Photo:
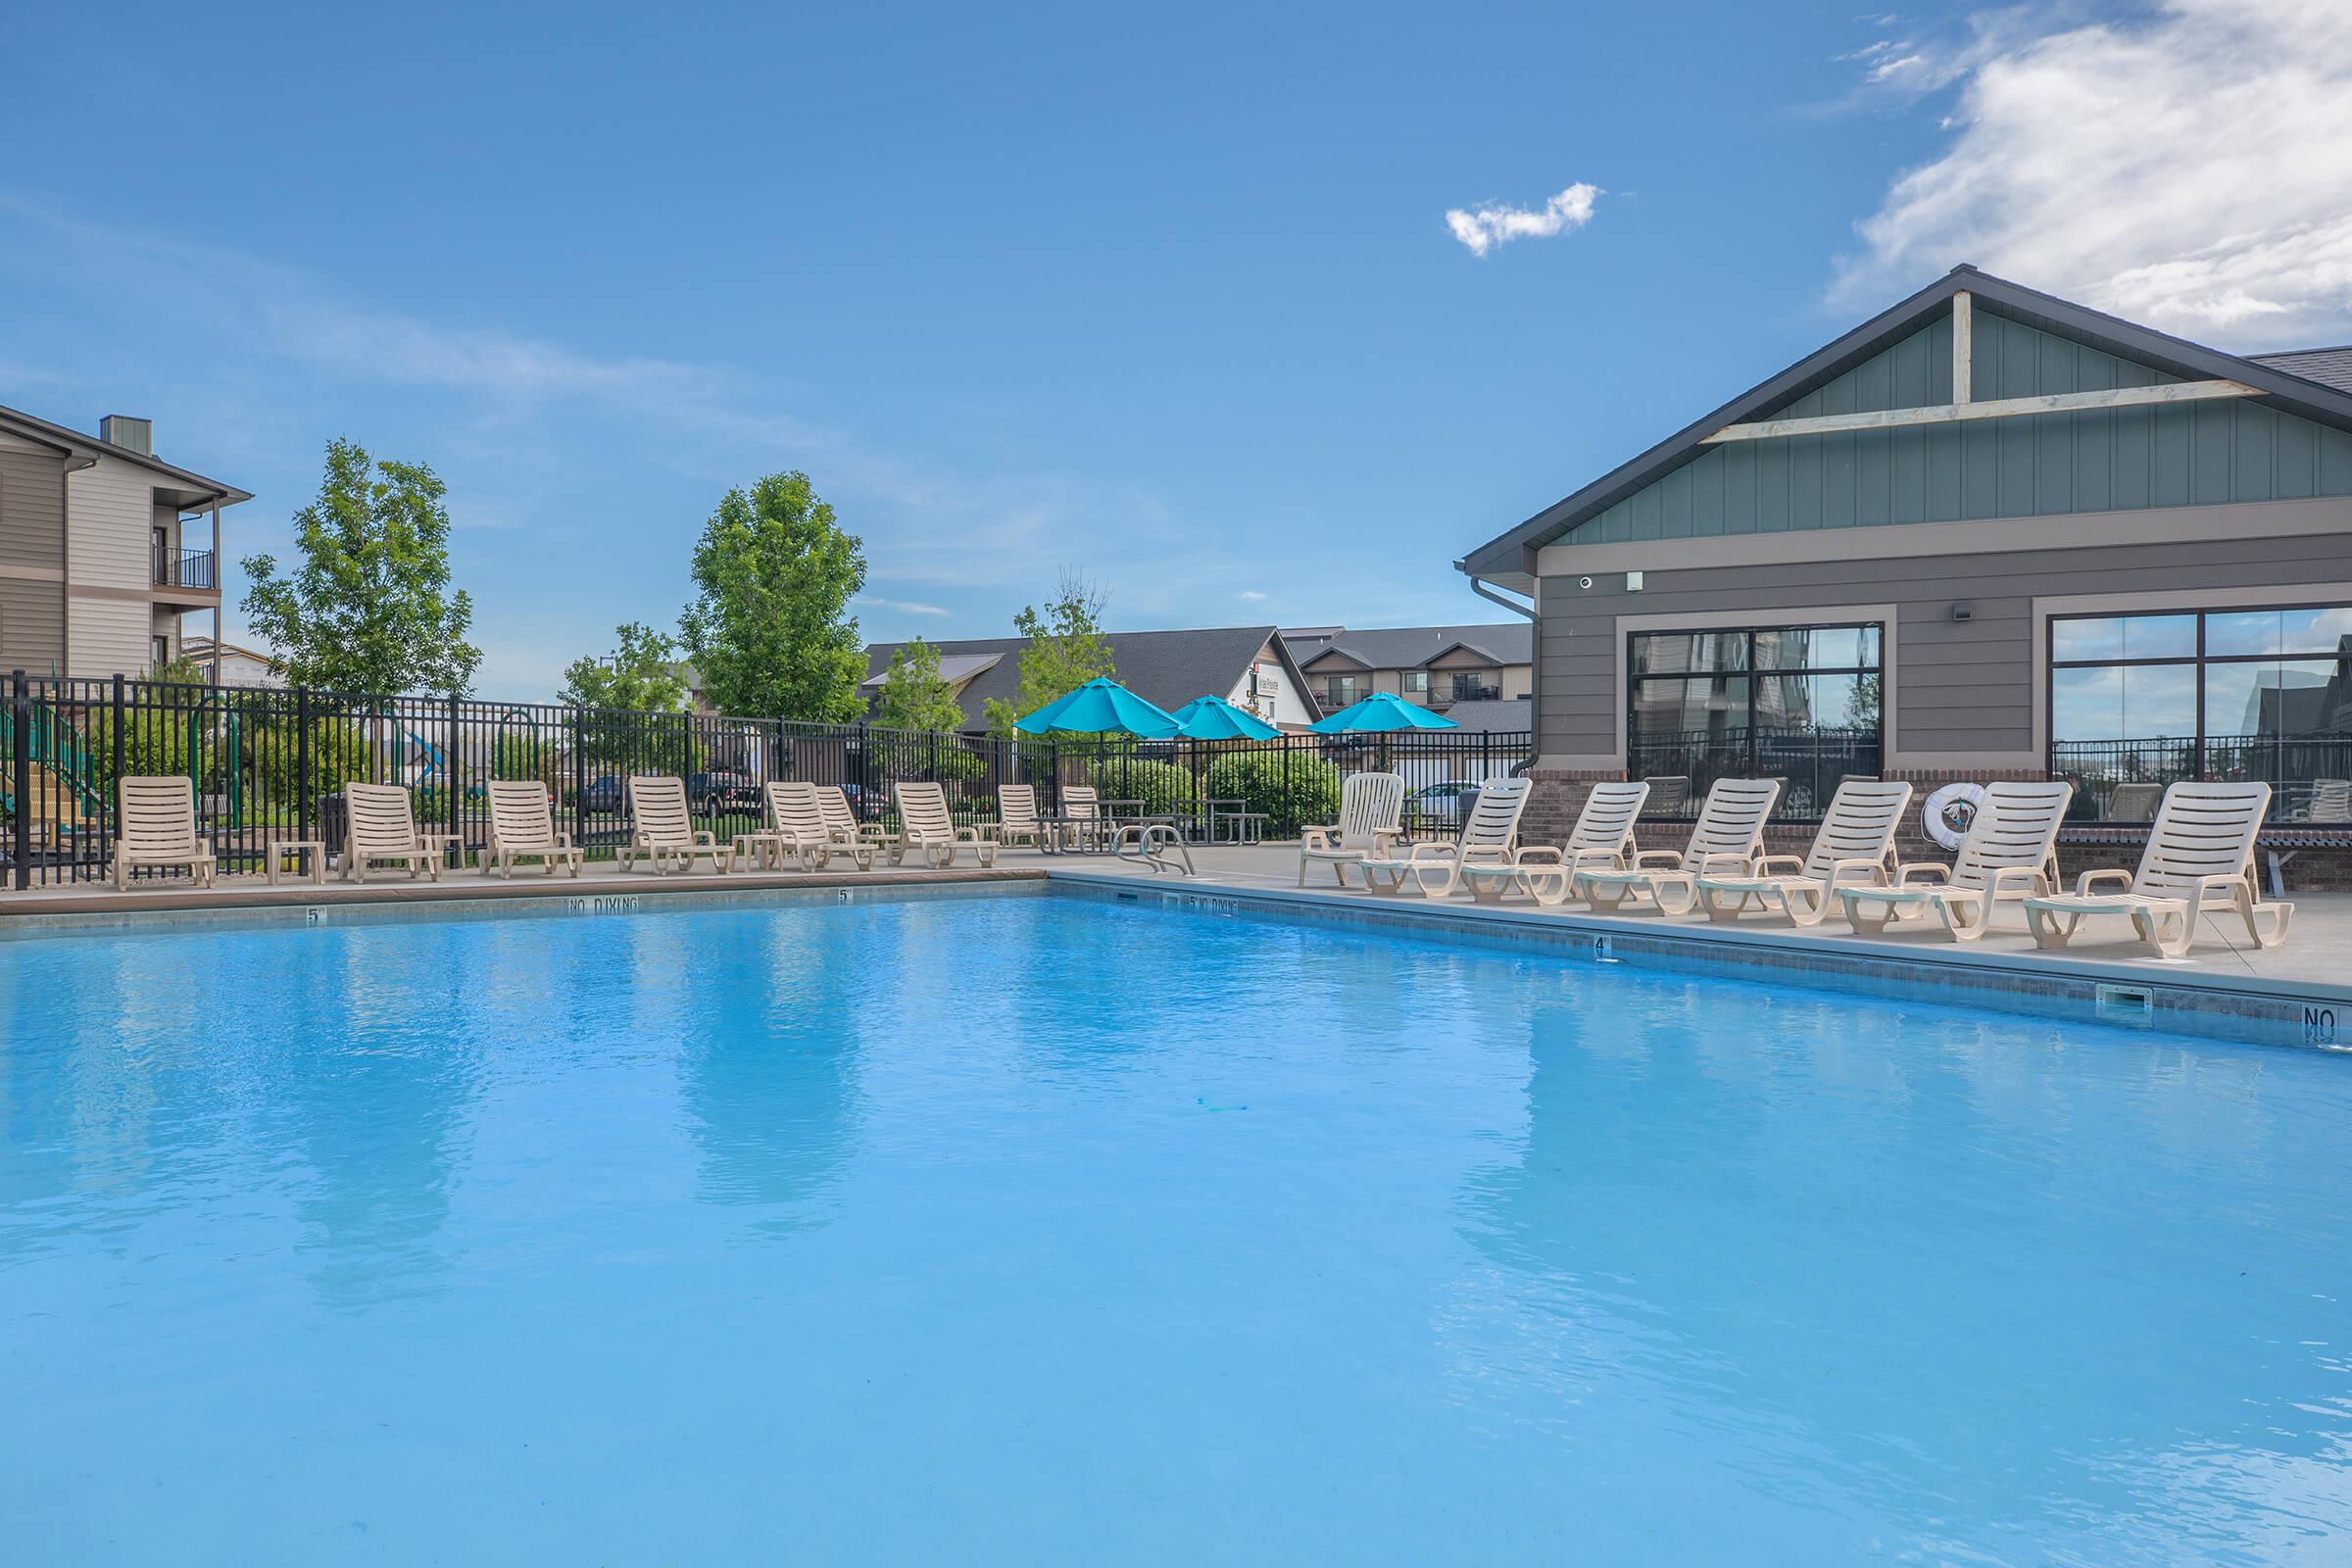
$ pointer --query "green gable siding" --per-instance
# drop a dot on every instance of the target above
(2105, 460)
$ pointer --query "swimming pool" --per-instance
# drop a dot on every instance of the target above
(1047, 1229)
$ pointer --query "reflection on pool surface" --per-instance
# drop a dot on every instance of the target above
(1032, 1229)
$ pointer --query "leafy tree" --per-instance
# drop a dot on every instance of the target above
(1066, 650)
(641, 676)
(915, 696)
(770, 627)
(369, 610)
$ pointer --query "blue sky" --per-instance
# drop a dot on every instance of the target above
(1167, 299)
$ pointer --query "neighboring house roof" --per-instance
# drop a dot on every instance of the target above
(73, 443)
(201, 648)
(1494, 716)
(1511, 642)
(1168, 668)
(2327, 366)
(954, 668)
(1508, 558)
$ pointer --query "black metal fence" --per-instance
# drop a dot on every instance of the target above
(2122, 780)
(268, 764)
(1809, 763)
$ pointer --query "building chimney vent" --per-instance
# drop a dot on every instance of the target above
(121, 430)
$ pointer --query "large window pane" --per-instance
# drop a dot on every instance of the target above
(1703, 708)
(2124, 637)
(1817, 648)
(2121, 733)
(1689, 652)
(2322, 633)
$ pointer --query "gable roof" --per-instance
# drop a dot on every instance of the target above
(1507, 642)
(1168, 668)
(1508, 559)
(1490, 715)
(72, 443)
(2327, 366)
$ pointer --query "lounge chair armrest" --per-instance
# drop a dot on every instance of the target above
(563, 840)
(1386, 839)
(1431, 851)
(1541, 855)
(2090, 880)
(1780, 865)
(1317, 838)
(1731, 865)
(705, 838)
(2023, 878)
(1597, 859)
(1868, 871)
(1658, 860)
(1908, 872)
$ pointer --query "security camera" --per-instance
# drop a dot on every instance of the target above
(1583, 582)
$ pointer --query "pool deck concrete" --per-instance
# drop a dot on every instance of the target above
(2226, 973)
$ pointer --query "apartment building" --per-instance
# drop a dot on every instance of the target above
(1435, 666)
(105, 548)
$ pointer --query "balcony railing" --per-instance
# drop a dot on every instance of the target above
(185, 569)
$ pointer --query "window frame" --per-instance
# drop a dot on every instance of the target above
(1753, 676)
(2199, 661)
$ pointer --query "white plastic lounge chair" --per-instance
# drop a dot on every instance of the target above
(1602, 839)
(796, 826)
(2132, 803)
(1490, 836)
(1669, 793)
(2010, 853)
(523, 827)
(158, 828)
(380, 829)
(925, 827)
(1854, 844)
(662, 831)
(2200, 856)
(846, 835)
(1727, 840)
(1082, 825)
(1371, 821)
(2330, 801)
(1016, 816)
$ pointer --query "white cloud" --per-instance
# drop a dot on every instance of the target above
(1486, 227)
(1250, 595)
(2191, 169)
(905, 606)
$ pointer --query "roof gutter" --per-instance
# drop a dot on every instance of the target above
(1493, 595)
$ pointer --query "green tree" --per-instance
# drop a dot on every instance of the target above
(369, 610)
(1066, 648)
(1295, 790)
(915, 696)
(640, 676)
(770, 627)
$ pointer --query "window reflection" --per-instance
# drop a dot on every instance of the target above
(1798, 704)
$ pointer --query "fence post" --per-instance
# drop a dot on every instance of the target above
(302, 767)
(110, 811)
(449, 782)
(579, 785)
(20, 724)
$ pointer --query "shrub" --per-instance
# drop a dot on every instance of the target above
(1159, 785)
(1295, 789)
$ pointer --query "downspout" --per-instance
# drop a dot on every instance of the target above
(1534, 681)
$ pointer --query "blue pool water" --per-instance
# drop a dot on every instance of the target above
(1043, 1230)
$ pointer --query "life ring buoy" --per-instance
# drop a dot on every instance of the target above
(1948, 812)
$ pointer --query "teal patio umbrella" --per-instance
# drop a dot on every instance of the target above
(1381, 712)
(1100, 707)
(1214, 718)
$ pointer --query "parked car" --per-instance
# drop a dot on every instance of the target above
(1439, 806)
(604, 794)
(717, 792)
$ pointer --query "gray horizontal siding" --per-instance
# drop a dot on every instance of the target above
(2109, 459)
(33, 625)
(1959, 686)
(32, 511)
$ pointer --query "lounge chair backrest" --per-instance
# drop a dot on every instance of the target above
(1371, 805)
(2131, 803)
(923, 809)
(1017, 808)
(2016, 825)
(1605, 822)
(2201, 830)
(1859, 825)
(382, 818)
(159, 815)
(2331, 799)
(1492, 824)
(1669, 794)
(1080, 801)
(835, 804)
(657, 813)
(520, 816)
(793, 809)
(1732, 821)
